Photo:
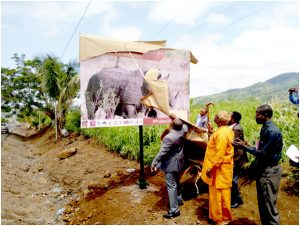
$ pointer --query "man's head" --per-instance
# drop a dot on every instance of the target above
(222, 118)
(235, 117)
(177, 124)
(203, 111)
(172, 116)
(263, 114)
(293, 90)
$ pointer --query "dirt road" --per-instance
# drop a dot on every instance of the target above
(94, 186)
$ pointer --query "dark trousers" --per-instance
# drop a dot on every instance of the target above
(173, 188)
(267, 186)
(235, 193)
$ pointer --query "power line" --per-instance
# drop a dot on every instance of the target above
(211, 20)
(241, 18)
(86, 8)
(163, 27)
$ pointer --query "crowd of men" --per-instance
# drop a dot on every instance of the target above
(224, 155)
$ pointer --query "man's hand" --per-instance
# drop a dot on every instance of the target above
(239, 143)
(210, 127)
(208, 173)
(153, 169)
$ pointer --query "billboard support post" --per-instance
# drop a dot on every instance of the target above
(142, 182)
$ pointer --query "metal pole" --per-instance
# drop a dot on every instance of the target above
(142, 182)
(55, 122)
(39, 120)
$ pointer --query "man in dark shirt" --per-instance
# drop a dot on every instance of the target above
(239, 158)
(268, 173)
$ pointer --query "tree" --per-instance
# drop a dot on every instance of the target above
(39, 84)
(60, 83)
(21, 87)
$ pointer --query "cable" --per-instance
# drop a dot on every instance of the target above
(224, 12)
(163, 27)
(75, 29)
(241, 18)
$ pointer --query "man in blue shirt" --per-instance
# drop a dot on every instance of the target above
(268, 172)
(294, 96)
(202, 118)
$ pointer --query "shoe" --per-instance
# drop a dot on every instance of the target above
(240, 202)
(222, 223)
(171, 215)
(180, 202)
(235, 205)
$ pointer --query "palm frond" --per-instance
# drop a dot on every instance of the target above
(68, 93)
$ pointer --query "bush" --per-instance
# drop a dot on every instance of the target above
(73, 120)
(125, 140)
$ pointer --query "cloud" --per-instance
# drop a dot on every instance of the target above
(180, 12)
(218, 19)
(51, 18)
(123, 33)
(254, 56)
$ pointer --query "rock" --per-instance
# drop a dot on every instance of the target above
(40, 167)
(107, 174)
(56, 192)
(60, 212)
(68, 209)
(66, 218)
(130, 170)
(64, 133)
(67, 180)
(67, 153)
(88, 171)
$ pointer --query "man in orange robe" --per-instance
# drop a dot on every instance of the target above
(217, 170)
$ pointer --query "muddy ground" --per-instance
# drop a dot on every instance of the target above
(94, 186)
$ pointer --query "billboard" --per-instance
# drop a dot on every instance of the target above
(112, 85)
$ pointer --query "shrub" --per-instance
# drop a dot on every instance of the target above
(73, 120)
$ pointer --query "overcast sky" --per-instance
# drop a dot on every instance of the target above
(237, 43)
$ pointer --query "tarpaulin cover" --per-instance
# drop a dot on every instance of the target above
(91, 46)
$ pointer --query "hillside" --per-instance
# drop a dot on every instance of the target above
(274, 88)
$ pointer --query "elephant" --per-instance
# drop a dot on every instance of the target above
(117, 91)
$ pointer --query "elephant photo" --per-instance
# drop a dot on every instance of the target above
(115, 91)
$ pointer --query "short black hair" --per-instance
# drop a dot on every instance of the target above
(265, 110)
(177, 124)
(236, 116)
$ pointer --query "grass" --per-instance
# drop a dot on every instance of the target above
(125, 140)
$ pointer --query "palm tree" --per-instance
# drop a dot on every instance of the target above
(60, 84)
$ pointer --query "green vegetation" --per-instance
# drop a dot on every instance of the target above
(35, 88)
(73, 120)
(125, 140)
(274, 88)
(41, 85)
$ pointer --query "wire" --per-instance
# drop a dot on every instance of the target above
(204, 24)
(163, 27)
(241, 18)
(86, 8)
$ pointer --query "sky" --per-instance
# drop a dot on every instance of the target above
(237, 43)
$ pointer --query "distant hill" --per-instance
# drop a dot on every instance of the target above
(274, 88)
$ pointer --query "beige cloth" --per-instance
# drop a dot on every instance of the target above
(159, 99)
(92, 46)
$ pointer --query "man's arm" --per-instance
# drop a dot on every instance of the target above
(268, 146)
(165, 147)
